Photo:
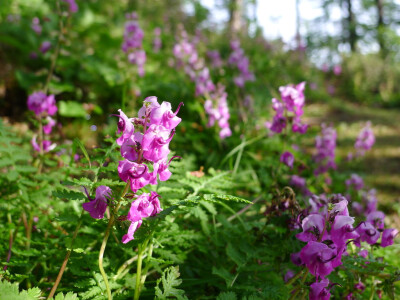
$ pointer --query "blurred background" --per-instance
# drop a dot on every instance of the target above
(346, 50)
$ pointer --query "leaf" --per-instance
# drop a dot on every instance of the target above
(235, 255)
(79, 143)
(170, 281)
(215, 198)
(10, 290)
(71, 109)
(224, 274)
(68, 194)
(227, 296)
(69, 296)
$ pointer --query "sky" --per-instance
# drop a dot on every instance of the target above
(277, 18)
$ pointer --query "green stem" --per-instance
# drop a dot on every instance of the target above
(138, 285)
(105, 239)
(103, 248)
(372, 289)
(146, 268)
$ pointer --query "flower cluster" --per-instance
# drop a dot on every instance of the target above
(73, 7)
(216, 105)
(326, 145)
(300, 183)
(145, 142)
(215, 57)
(217, 109)
(355, 181)
(327, 228)
(44, 107)
(365, 140)
(292, 102)
(132, 44)
(36, 27)
(241, 61)
(157, 43)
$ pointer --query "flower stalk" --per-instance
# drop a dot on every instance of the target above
(105, 239)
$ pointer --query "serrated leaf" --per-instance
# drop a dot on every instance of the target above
(170, 280)
(227, 296)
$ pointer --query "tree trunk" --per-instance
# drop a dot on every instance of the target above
(351, 26)
(235, 17)
(380, 27)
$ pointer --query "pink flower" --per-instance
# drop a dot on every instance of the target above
(39, 103)
(136, 173)
(49, 126)
(97, 206)
(318, 258)
(287, 158)
(156, 143)
(47, 145)
(313, 226)
(388, 236)
(73, 7)
(125, 126)
(145, 205)
(318, 290)
(45, 46)
(131, 231)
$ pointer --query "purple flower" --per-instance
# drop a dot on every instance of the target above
(296, 259)
(132, 44)
(293, 97)
(318, 290)
(218, 111)
(318, 258)
(39, 103)
(287, 158)
(360, 286)
(376, 218)
(342, 230)
(73, 7)
(368, 233)
(97, 206)
(49, 126)
(45, 46)
(300, 183)
(47, 145)
(131, 147)
(326, 145)
(36, 25)
(388, 236)
(163, 115)
(155, 143)
(239, 59)
(137, 174)
(214, 56)
(157, 43)
(363, 253)
(313, 226)
(365, 140)
(145, 205)
(289, 274)
(356, 181)
(125, 126)
(337, 70)
(131, 231)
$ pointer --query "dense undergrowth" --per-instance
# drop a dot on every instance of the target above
(211, 191)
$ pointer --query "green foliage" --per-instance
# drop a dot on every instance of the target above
(170, 281)
(10, 291)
